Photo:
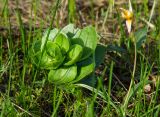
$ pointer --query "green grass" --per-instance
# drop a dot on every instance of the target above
(25, 90)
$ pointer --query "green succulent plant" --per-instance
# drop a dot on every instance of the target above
(69, 54)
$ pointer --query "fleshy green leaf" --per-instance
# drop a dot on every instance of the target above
(63, 42)
(51, 37)
(52, 57)
(99, 54)
(141, 36)
(87, 38)
(69, 30)
(63, 75)
(85, 68)
(74, 54)
(90, 80)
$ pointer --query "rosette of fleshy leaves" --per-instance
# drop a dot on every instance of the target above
(68, 54)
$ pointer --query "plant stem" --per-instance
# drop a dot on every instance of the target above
(135, 58)
(71, 10)
(110, 83)
(132, 77)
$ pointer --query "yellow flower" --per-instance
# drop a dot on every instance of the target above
(128, 16)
